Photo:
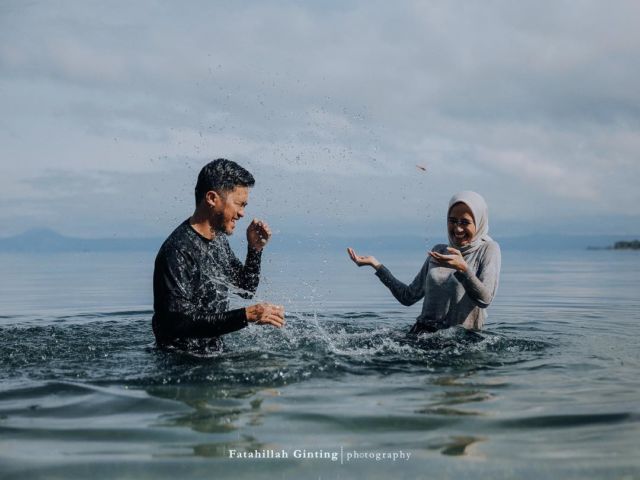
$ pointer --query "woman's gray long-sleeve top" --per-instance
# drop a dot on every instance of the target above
(451, 297)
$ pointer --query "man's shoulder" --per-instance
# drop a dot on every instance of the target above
(180, 240)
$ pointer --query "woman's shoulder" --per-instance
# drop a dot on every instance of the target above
(491, 247)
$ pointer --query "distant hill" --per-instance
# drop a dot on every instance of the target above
(46, 240)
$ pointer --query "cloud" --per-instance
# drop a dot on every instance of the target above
(546, 175)
(530, 104)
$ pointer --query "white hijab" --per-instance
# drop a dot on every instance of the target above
(480, 213)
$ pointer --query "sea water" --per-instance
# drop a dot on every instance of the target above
(549, 389)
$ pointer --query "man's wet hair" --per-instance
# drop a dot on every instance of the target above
(222, 175)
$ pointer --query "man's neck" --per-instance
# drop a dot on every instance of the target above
(201, 224)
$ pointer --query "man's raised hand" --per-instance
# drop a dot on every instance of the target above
(258, 234)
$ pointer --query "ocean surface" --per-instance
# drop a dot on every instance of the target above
(549, 389)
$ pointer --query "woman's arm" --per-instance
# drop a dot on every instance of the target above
(405, 294)
(481, 286)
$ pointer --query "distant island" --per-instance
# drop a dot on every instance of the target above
(632, 245)
(620, 245)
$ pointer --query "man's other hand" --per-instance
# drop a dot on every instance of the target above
(266, 314)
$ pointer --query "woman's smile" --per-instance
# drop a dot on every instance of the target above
(461, 225)
(461, 237)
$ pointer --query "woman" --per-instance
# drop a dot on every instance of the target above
(458, 281)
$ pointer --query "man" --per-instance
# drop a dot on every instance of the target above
(195, 268)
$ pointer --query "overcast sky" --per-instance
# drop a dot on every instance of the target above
(109, 110)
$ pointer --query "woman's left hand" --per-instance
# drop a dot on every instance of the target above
(454, 260)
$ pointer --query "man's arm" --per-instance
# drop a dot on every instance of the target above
(181, 324)
(176, 311)
(247, 276)
(184, 325)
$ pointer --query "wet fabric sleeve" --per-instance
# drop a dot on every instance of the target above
(481, 286)
(405, 294)
(179, 314)
(200, 325)
(246, 277)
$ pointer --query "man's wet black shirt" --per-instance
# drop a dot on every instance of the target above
(192, 279)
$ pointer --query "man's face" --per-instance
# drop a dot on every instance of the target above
(229, 208)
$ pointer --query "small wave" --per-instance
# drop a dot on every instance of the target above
(39, 389)
(22, 321)
(357, 315)
(555, 421)
(115, 313)
(57, 401)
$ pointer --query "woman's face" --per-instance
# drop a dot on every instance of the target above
(461, 225)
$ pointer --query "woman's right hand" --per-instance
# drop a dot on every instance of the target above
(361, 260)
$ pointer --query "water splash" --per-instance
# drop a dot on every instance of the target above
(312, 345)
